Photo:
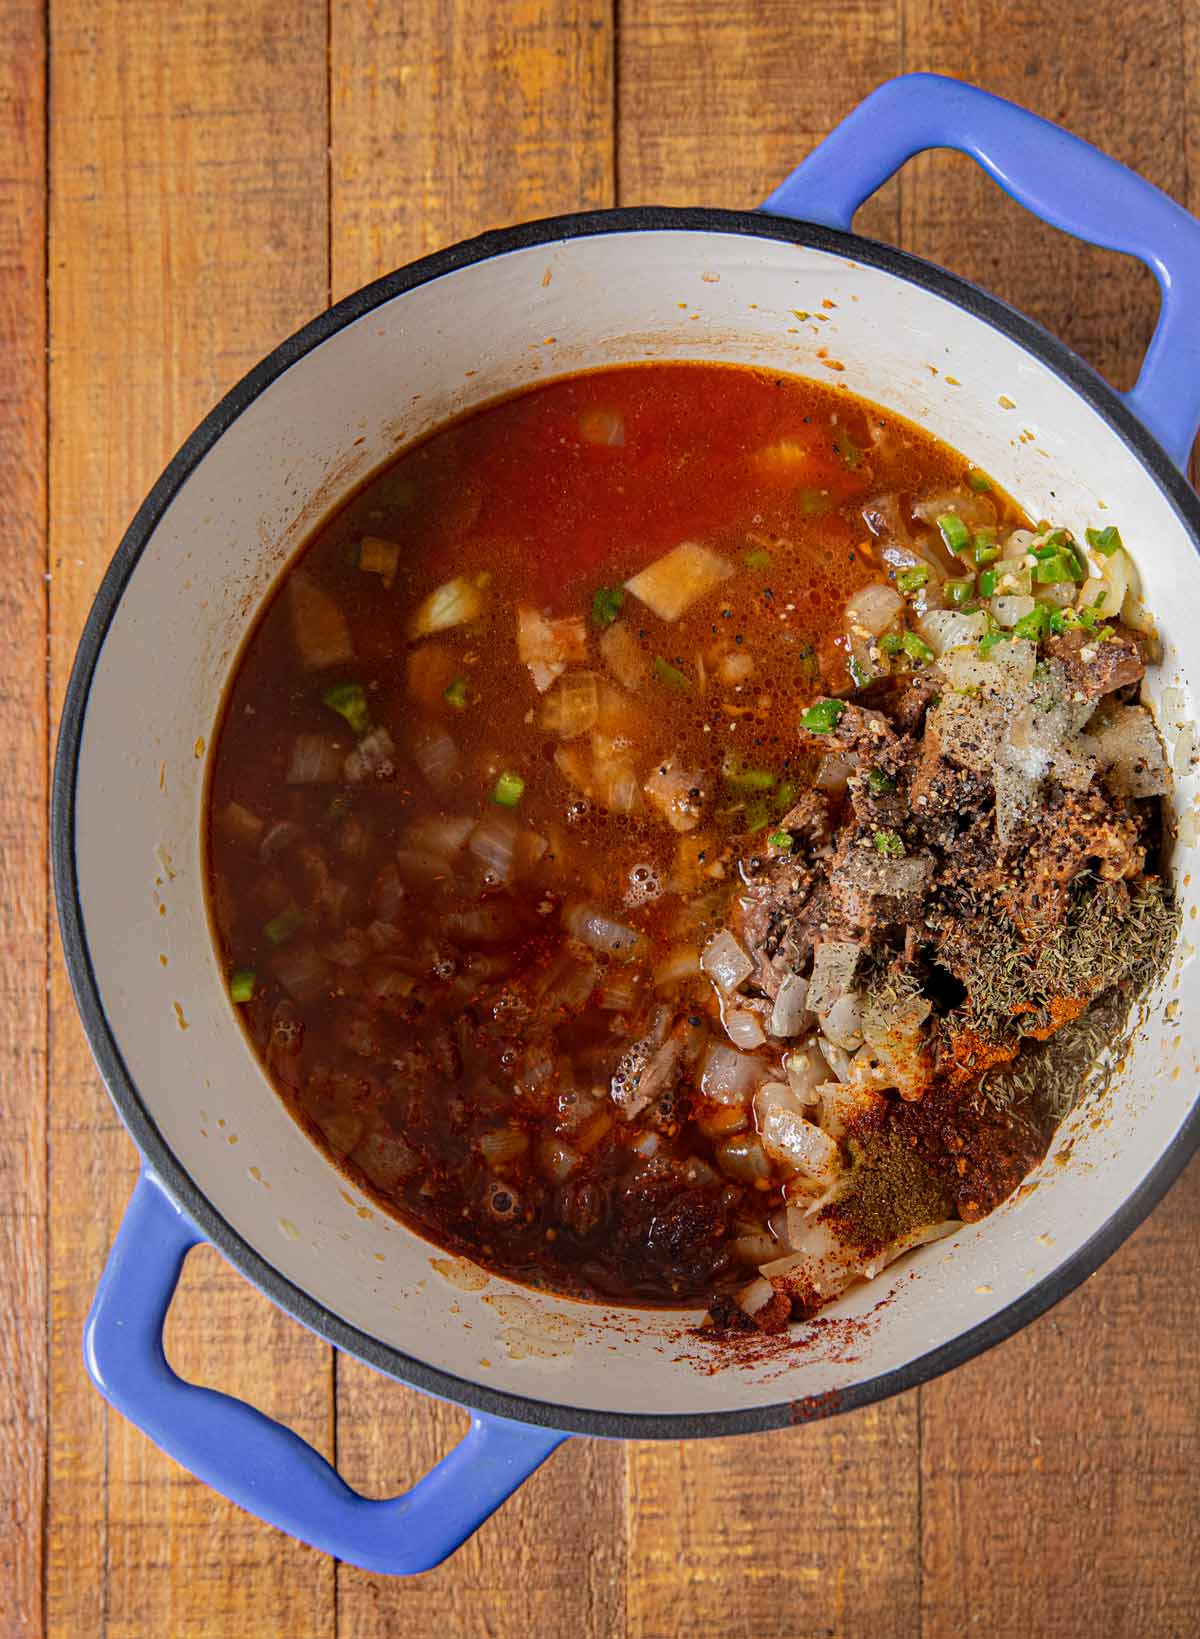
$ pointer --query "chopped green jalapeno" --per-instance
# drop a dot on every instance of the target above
(1105, 541)
(508, 790)
(349, 700)
(606, 605)
(1034, 625)
(890, 844)
(281, 928)
(959, 591)
(746, 779)
(879, 784)
(824, 717)
(911, 580)
(987, 583)
(954, 532)
(916, 648)
(671, 675)
(979, 482)
(781, 840)
(758, 815)
(456, 694)
(990, 639)
(891, 643)
(241, 985)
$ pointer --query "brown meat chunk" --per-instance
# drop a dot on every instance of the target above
(1083, 831)
(907, 706)
(1095, 667)
(859, 731)
(811, 820)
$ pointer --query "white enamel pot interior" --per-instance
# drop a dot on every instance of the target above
(288, 444)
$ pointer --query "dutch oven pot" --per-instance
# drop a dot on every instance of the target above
(296, 436)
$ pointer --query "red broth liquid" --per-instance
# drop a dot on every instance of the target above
(429, 1017)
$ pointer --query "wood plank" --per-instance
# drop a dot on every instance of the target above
(1061, 1472)
(23, 762)
(188, 235)
(717, 104)
(456, 116)
(1058, 1474)
(710, 1556)
(450, 118)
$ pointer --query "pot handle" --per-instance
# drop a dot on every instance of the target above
(258, 1463)
(1058, 177)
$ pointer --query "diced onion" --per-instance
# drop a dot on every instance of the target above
(806, 1069)
(837, 1058)
(494, 843)
(623, 655)
(671, 584)
(557, 1160)
(572, 707)
(791, 1007)
(1126, 745)
(945, 629)
(442, 834)
(744, 1028)
(301, 970)
(547, 646)
(454, 603)
(753, 1247)
(1008, 609)
(600, 932)
(502, 1145)
(1017, 544)
(385, 1157)
(436, 755)
(726, 963)
(842, 1025)
(372, 758)
(834, 963)
(874, 608)
(568, 982)
(315, 760)
(834, 771)
(669, 789)
(798, 1143)
(730, 1077)
(754, 1297)
(743, 1159)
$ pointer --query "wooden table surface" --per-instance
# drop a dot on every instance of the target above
(186, 181)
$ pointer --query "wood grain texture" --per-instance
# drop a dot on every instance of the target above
(1061, 1472)
(719, 102)
(1058, 1472)
(23, 1407)
(447, 119)
(188, 233)
(710, 1554)
(455, 116)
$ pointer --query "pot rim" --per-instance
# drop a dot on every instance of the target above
(135, 1113)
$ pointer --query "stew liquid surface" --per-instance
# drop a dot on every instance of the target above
(478, 810)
